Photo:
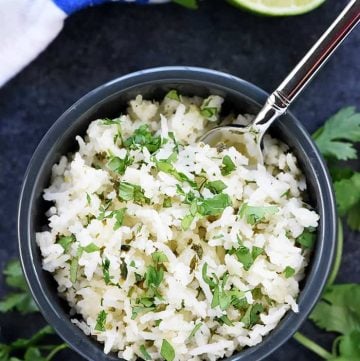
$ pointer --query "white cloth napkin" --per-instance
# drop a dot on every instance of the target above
(28, 26)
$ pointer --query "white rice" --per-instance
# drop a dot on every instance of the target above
(83, 183)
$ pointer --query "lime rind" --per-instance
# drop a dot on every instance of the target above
(258, 7)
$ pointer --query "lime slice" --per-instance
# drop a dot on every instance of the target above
(278, 7)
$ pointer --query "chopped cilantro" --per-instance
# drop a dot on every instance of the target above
(105, 270)
(256, 215)
(166, 167)
(66, 241)
(167, 202)
(224, 320)
(307, 238)
(132, 192)
(176, 146)
(159, 257)
(173, 94)
(142, 137)
(186, 222)
(144, 353)
(91, 247)
(167, 351)
(101, 321)
(227, 165)
(214, 206)
(194, 330)
(74, 265)
(88, 199)
(289, 272)
(251, 316)
(216, 186)
(119, 165)
(108, 121)
(119, 216)
(154, 276)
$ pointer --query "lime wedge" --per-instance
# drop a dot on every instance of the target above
(277, 7)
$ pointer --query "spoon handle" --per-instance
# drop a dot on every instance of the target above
(310, 64)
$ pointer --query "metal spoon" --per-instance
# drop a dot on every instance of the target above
(278, 102)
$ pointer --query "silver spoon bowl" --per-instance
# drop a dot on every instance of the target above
(279, 101)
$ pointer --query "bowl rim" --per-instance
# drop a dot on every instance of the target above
(322, 260)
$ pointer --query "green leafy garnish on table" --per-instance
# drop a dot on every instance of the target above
(24, 349)
(339, 311)
(19, 299)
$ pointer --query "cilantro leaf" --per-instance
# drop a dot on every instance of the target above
(186, 222)
(144, 353)
(289, 272)
(307, 238)
(119, 216)
(335, 137)
(159, 257)
(132, 192)
(90, 248)
(251, 316)
(142, 137)
(173, 94)
(349, 347)
(214, 206)
(216, 186)
(21, 300)
(256, 215)
(153, 276)
(194, 330)
(106, 271)
(167, 351)
(166, 167)
(345, 198)
(227, 165)
(66, 241)
(101, 321)
(119, 165)
(338, 311)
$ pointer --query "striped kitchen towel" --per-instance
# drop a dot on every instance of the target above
(28, 26)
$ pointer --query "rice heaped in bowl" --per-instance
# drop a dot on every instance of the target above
(168, 248)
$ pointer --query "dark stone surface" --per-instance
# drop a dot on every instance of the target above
(99, 44)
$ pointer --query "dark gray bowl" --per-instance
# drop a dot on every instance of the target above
(109, 100)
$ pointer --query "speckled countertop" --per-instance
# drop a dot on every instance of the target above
(99, 44)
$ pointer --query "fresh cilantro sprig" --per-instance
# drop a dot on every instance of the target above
(25, 349)
(337, 137)
(337, 141)
(18, 300)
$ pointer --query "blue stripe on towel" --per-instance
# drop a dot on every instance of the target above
(70, 6)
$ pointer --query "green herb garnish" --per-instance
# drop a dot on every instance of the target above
(119, 165)
(142, 137)
(307, 238)
(144, 353)
(167, 351)
(106, 271)
(101, 321)
(256, 215)
(289, 272)
(66, 241)
(227, 165)
(194, 330)
(216, 187)
(173, 94)
(132, 192)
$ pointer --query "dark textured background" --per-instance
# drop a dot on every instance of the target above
(99, 44)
